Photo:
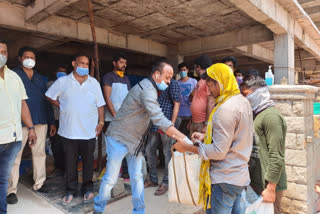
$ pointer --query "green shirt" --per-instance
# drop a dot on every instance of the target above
(267, 162)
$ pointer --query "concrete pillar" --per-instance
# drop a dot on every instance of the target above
(284, 58)
(174, 57)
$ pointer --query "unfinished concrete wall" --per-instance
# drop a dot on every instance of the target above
(302, 147)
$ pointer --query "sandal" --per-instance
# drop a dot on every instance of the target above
(162, 189)
(87, 198)
(66, 199)
(149, 183)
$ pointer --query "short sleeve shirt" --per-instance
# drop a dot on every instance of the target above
(78, 106)
(12, 92)
(167, 98)
(200, 102)
(120, 88)
(185, 90)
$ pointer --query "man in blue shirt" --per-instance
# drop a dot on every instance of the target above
(169, 101)
(42, 116)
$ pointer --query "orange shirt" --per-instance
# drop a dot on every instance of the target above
(199, 102)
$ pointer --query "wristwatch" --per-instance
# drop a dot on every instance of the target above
(32, 127)
(102, 123)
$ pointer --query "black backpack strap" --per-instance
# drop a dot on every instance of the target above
(140, 86)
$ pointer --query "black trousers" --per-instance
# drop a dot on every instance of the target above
(184, 125)
(72, 150)
(57, 150)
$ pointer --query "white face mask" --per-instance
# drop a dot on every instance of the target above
(3, 60)
(29, 63)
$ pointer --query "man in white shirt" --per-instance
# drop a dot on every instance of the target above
(81, 104)
(15, 109)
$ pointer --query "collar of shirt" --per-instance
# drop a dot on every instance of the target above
(88, 80)
(35, 73)
(153, 82)
(5, 71)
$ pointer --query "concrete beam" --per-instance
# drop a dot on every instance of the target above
(42, 9)
(229, 40)
(13, 16)
(256, 51)
(280, 21)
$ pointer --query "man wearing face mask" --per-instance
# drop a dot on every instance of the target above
(239, 76)
(116, 86)
(56, 142)
(169, 100)
(267, 163)
(202, 102)
(13, 95)
(187, 85)
(125, 135)
(81, 104)
(42, 116)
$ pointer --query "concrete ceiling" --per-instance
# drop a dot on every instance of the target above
(165, 21)
(312, 7)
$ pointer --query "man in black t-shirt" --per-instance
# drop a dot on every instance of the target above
(115, 88)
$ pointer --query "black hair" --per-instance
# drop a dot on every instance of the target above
(181, 65)
(25, 49)
(252, 73)
(231, 59)
(62, 66)
(79, 55)
(239, 71)
(204, 61)
(119, 56)
(2, 41)
(253, 82)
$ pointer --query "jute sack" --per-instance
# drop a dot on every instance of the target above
(184, 173)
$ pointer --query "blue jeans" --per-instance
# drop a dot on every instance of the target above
(8, 154)
(116, 152)
(226, 199)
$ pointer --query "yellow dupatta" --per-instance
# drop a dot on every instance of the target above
(228, 87)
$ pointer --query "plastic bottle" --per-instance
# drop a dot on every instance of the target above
(269, 76)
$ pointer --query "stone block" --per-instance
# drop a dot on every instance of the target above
(117, 40)
(308, 123)
(296, 192)
(290, 177)
(296, 158)
(291, 141)
(301, 141)
(300, 207)
(286, 205)
(299, 175)
(298, 109)
(285, 107)
(295, 125)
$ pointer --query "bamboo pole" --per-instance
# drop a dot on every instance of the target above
(97, 74)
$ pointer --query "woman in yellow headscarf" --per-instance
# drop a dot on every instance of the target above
(226, 146)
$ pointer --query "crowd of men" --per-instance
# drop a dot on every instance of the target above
(240, 135)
